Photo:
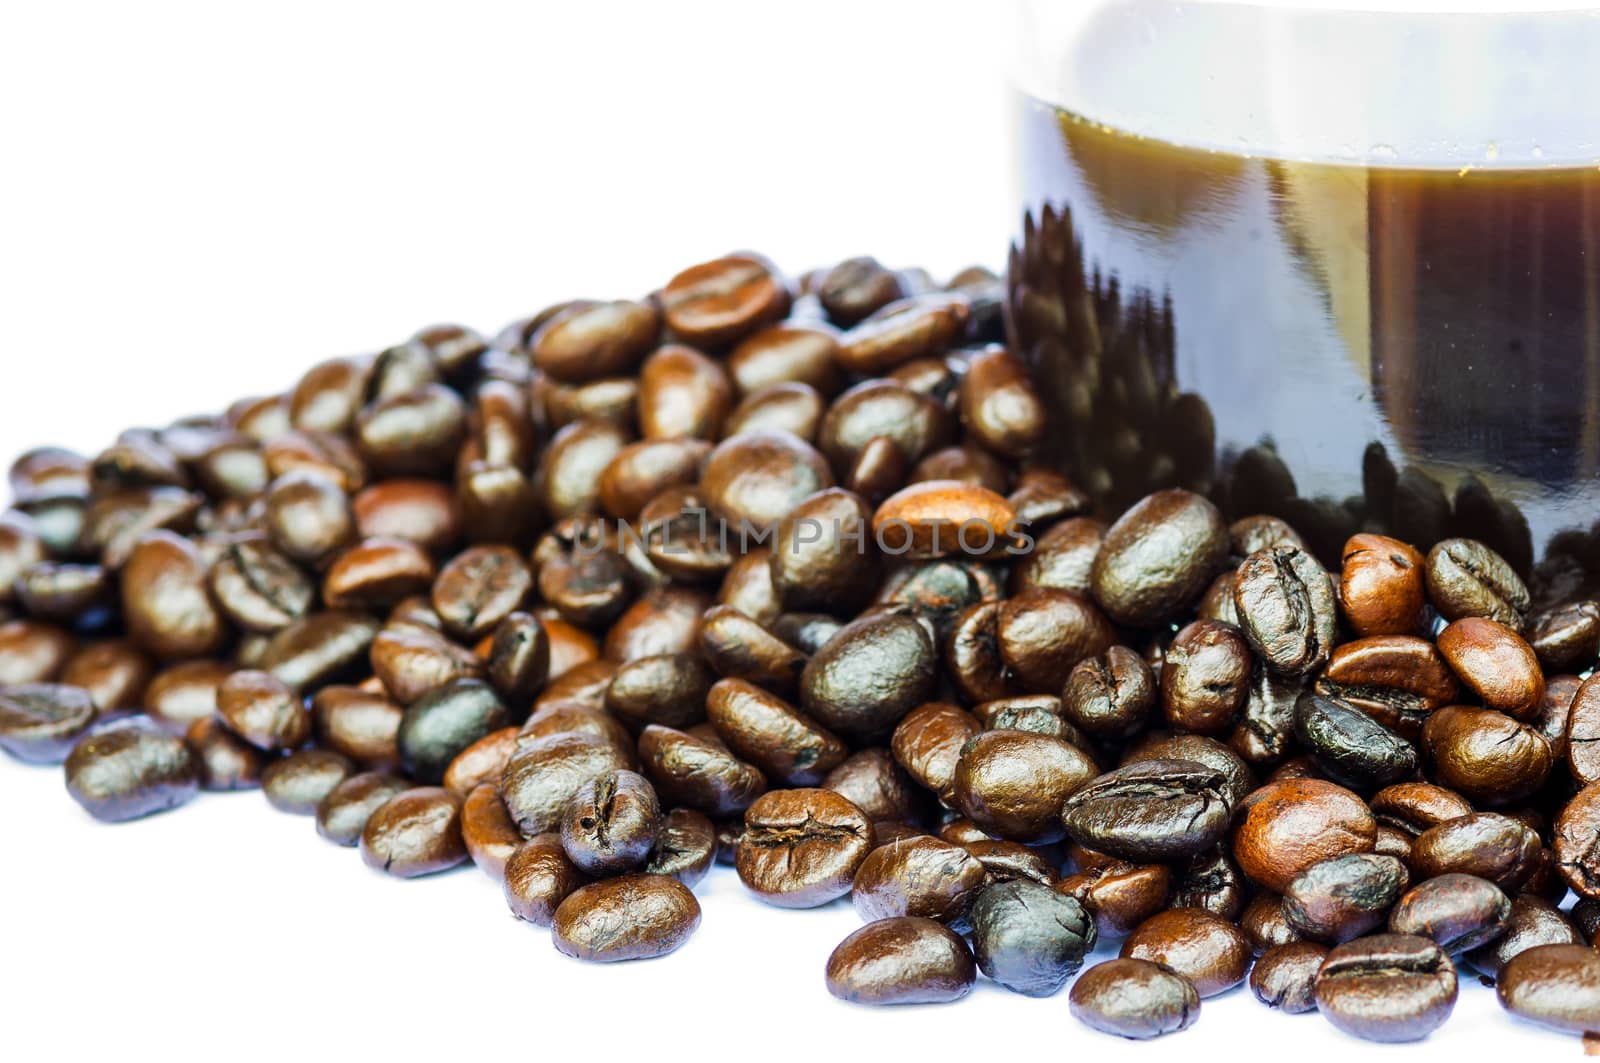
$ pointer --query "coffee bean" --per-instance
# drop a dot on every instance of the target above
(544, 773)
(1063, 557)
(1264, 923)
(823, 554)
(1043, 633)
(1396, 679)
(906, 960)
(589, 340)
(927, 743)
(941, 518)
(263, 710)
(915, 327)
(1134, 999)
(792, 352)
(715, 304)
(308, 517)
(801, 848)
(224, 760)
(364, 727)
(1158, 557)
(1532, 922)
(1413, 807)
(165, 602)
(1286, 827)
(1468, 579)
(610, 824)
(684, 848)
(1554, 985)
(857, 287)
(41, 722)
(1495, 664)
(682, 394)
(1285, 976)
(128, 771)
(1350, 746)
(737, 647)
(919, 876)
(1566, 638)
(869, 675)
(343, 813)
(1486, 844)
(539, 877)
(1264, 732)
(1119, 895)
(1342, 898)
(1156, 811)
(299, 782)
(483, 761)
(1013, 784)
(1381, 587)
(669, 689)
(879, 787)
(1030, 938)
(1213, 954)
(632, 917)
(420, 511)
(1486, 755)
(1110, 695)
(416, 832)
(1036, 713)
(487, 830)
(1388, 987)
(319, 648)
(1285, 607)
(1205, 678)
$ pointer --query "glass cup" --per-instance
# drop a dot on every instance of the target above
(1339, 263)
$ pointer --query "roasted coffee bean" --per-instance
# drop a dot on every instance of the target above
(1350, 746)
(299, 782)
(1381, 586)
(685, 847)
(1043, 633)
(1013, 784)
(941, 518)
(915, 327)
(1396, 679)
(1037, 713)
(1205, 677)
(699, 774)
(972, 655)
(1583, 734)
(1553, 720)
(998, 405)
(1388, 987)
(361, 725)
(874, 783)
(115, 674)
(1285, 607)
(479, 589)
(1006, 861)
(1110, 695)
(1156, 811)
(1063, 557)
(855, 288)
(487, 830)
(669, 689)
(920, 876)
(1468, 579)
(1119, 895)
(737, 647)
(343, 813)
(1237, 779)
(1288, 826)
(1210, 882)
(1566, 638)
(225, 761)
(413, 661)
(682, 394)
(1577, 841)
(319, 648)
(801, 848)
(1285, 976)
(33, 652)
(1554, 985)
(166, 606)
(1494, 663)
(715, 304)
(1264, 733)
(1485, 755)
(420, 511)
(1158, 558)
(1263, 922)
(927, 743)
(610, 824)
(566, 481)
(747, 587)
(538, 878)
(308, 517)
(519, 657)
(545, 772)
(1213, 954)
(1413, 807)
(416, 832)
(376, 573)
(1491, 846)
(483, 761)
(792, 352)
(882, 415)
(1030, 938)
(793, 407)
(41, 722)
(415, 433)
(263, 710)
(1342, 898)
(587, 340)
(1135, 999)
(905, 960)
(869, 675)
(632, 917)
(1217, 602)
(666, 620)
(443, 723)
(1532, 922)
(180, 694)
(130, 770)
(766, 731)
(757, 479)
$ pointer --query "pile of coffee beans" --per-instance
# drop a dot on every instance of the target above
(779, 575)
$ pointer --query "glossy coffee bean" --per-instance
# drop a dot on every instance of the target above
(263, 710)
(320, 648)
(488, 831)
(766, 731)
(1498, 848)
(1237, 779)
(1155, 811)
(927, 743)
(1285, 976)
(869, 675)
(1119, 895)
(1413, 807)
(823, 555)
(128, 771)
(666, 620)
(717, 303)
(886, 418)
(857, 287)
(1485, 755)
(1110, 695)
(874, 783)
(685, 847)
(1553, 985)
(1134, 998)
(1286, 610)
(299, 782)
(1286, 827)
(631, 917)
(668, 689)
(308, 517)
(1396, 679)
(1468, 579)
(942, 518)
(166, 606)
(759, 478)
(361, 725)
(1533, 922)
(1213, 954)
(1044, 633)
(609, 826)
(682, 394)
(1013, 784)
(588, 340)
(801, 848)
(1158, 558)
(1458, 912)
(479, 589)
(420, 511)
(1388, 987)
(416, 832)
(1211, 882)
(1342, 898)
(737, 647)
(1566, 638)
(544, 773)
(905, 960)
(1263, 922)
(1062, 557)
(1382, 588)
(1495, 664)
(1351, 747)
(482, 761)
(707, 777)
(225, 761)
(443, 723)
(1205, 677)
(1030, 938)
(342, 815)
(919, 876)
(915, 327)
(1264, 733)
(791, 352)
(41, 722)
(539, 877)
(1038, 713)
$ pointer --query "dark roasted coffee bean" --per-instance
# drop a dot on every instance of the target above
(376, 573)
(1577, 841)
(1342, 898)
(766, 731)
(1110, 695)
(1209, 882)
(737, 647)
(1396, 679)
(1388, 987)
(928, 744)
(1205, 678)
(319, 648)
(1554, 985)
(421, 511)
(1158, 558)
(1494, 663)
(130, 770)
(916, 327)
(666, 620)
(685, 847)
(1532, 922)
(1285, 607)
(715, 304)
(972, 655)
(1288, 826)
(479, 589)
(1381, 587)
(416, 433)
(682, 394)
(539, 877)
(1135, 999)
(299, 782)
(1413, 807)
(944, 518)
(757, 479)
(545, 772)
(412, 661)
(857, 287)
(869, 676)
(1118, 895)
(416, 832)
(259, 589)
(1566, 638)
(802, 847)
(696, 773)
(1285, 976)
(1237, 779)
(1005, 861)
(588, 340)
(633, 917)
(1043, 633)
(1350, 746)
(483, 761)
(1265, 731)
(610, 824)
(225, 761)
(1485, 755)
(519, 657)
(443, 723)
(1213, 954)
(1030, 938)
(488, 831)
(882, 415)
(115, 674)
(669, 689)
(920, 876)
(1468, 579)
(263, 710)
(343, 813)
(905, 960)
(1156, 811)
(1263, 922)
(1491, 846)
(358, 724)
(1013, 784)
(308, 517)
(1063, 557)
(874, 783)
(1037, 713)
(41, 722)
(166, 606)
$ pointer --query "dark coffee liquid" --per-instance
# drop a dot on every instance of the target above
(1413, 351)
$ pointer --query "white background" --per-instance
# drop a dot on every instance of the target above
(197, 201)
